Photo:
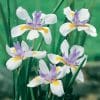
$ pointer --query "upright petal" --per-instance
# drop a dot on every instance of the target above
(83, 14)
(66, 28)
(57, 88)
(33, 34)
(91, 30)
(80, 60)
(19, 30)
(76, 51)
(43, 67)
(64, 48)
(50, 19)
(55, 59)
(39, 54)
(24, 46)
(69, 13)
(46, 34)
(13, 63)
(23, 14)
(35, 82)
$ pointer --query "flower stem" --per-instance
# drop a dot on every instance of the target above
(38, 48)
(58, 6)
(32, 95)
(8, 9)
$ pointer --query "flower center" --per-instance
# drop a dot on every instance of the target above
(77, 21)
(37, 21)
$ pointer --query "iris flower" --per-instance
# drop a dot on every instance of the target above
(71, 57)
(78, 19)
(20, 52)
(51, 77)
(37, 24)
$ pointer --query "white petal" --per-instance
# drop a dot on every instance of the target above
(64, 48)
(91, 30)
(50, 19)
(83, 14)
(43, 67)
(80, 60)
(80, 76)
(62, 71)
(55, 59)
(13, 63)
(46, 34)
(69, 13)
(33, 34)
(24, 46)
(28, 54)
(39, 54)
(23, 14)
(77, 49)
(35, 82)
(11, 51)
(19, 30)
(57, 88)
(66, 28)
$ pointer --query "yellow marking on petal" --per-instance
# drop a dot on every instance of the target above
(13, 50)
(55, 82)
(37, 78)
(71, 25)
(16, 58)
(58, 58)
(72, 13)
(58, 69)
(43, 29)
(26, 27)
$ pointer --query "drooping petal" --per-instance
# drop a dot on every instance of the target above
(11, 51)
(23, 14)
(50, 19)
(69, 13)
(66, 28)
(24, 46)
(45, 31)
(19, 30)
(33, 34)
(35, 82)
(91, 30)
(83, 14)
(64, 48)
(13, 63)
(62, 71)
(43, 67)
(80, 76)
(57, 88)
(76, 51)
(39, 54)
(55, 59)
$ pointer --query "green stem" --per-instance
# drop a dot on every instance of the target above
(58, 6)
(9, 26)
(38, 48)
(32, 95)
(75, 75)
